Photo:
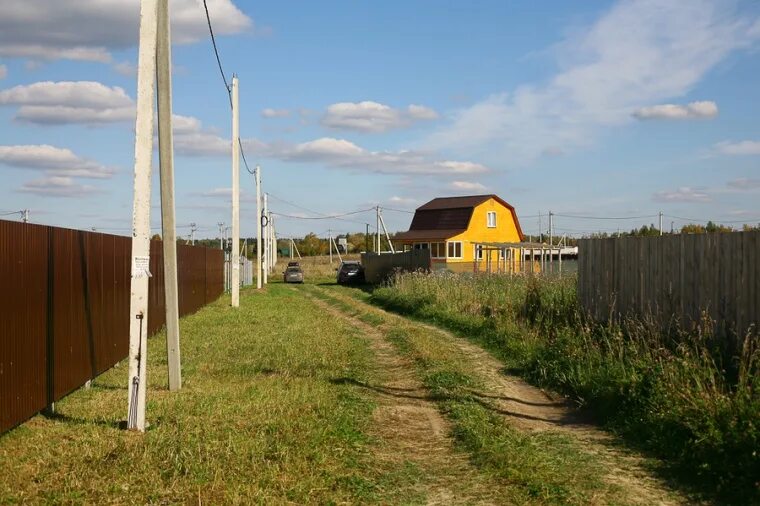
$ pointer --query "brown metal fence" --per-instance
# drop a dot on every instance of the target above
(64, 306)
(681, 276)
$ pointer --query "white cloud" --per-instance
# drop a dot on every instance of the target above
(639, 51)
(3, 71)
(52, 29)
(683, 194)
(275, 113)
(343, 154)
(744, 184)
(191, 139)
(738, 148)
(64, 102)
(406, 201)
(59, 162)
(57, 186)
(421, 112)
(693, 110)
(373, 117)
(466, 186)
(126, 68)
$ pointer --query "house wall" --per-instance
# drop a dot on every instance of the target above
(479, 232)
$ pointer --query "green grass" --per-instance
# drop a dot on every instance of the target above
(682, 396)
(258, 420)
(541, 468)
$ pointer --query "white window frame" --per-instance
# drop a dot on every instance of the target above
(454, 245)
(488, 219)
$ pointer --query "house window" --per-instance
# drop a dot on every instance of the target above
(491, 219)
(455, 249)
(421, 245)
(479, 252)
(407, 247)
(438, 250)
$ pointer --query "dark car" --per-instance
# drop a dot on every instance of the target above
(293, 274)
(350, 272)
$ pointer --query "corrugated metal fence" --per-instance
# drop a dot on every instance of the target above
(64, 305)
(674, 276)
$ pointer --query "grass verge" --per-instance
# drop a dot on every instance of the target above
(540, 468)
(681, 396)
(259, 420)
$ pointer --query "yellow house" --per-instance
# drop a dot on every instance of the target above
(456, 228)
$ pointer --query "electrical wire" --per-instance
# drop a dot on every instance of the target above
(224, 78)
(216, 52)
(396, 210)
(604, 217)
(336, 216)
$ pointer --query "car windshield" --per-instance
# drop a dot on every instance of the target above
(293, 269)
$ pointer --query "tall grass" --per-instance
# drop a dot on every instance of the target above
(683, 396)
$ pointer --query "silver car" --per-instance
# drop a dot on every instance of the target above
(293, 274)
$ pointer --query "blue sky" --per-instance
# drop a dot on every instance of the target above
(597, 108)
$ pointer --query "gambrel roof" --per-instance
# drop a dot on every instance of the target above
(446, 217)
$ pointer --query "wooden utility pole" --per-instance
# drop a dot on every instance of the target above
(166, 163)
(259, 217)
(235, 251)
(140, 262)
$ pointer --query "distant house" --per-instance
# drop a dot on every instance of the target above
(453, 227)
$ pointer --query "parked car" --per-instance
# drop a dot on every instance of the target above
(350, 271)
(293, 274)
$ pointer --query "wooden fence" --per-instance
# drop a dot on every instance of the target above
(64, 308)
(682, 276)
(377, 268)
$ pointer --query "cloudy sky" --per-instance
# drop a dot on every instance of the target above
(609, 109)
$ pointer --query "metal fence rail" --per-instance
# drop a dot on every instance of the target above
(64, 308)
(682, 276)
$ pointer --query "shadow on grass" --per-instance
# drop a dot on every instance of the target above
(469, 395)
(74, 420)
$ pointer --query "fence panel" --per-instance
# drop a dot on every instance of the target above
(64, 317)
(681, 276)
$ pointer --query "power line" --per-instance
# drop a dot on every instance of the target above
(216, 52)
(224, 78)
(605, 217)
(396, 210)
(336, 216)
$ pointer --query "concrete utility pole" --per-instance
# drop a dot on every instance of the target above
(265, 267)
(377, 229)
(660, 222)
(166, 163)
(193, 228)
(25, 215)
(272, 244)
(329, 243)
(235, 251)
(221, 234)
(551, 228)
(138, 305)
(259, 217)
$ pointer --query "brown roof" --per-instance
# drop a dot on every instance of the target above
(457, 202)
(451, 215)
(413, 235)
